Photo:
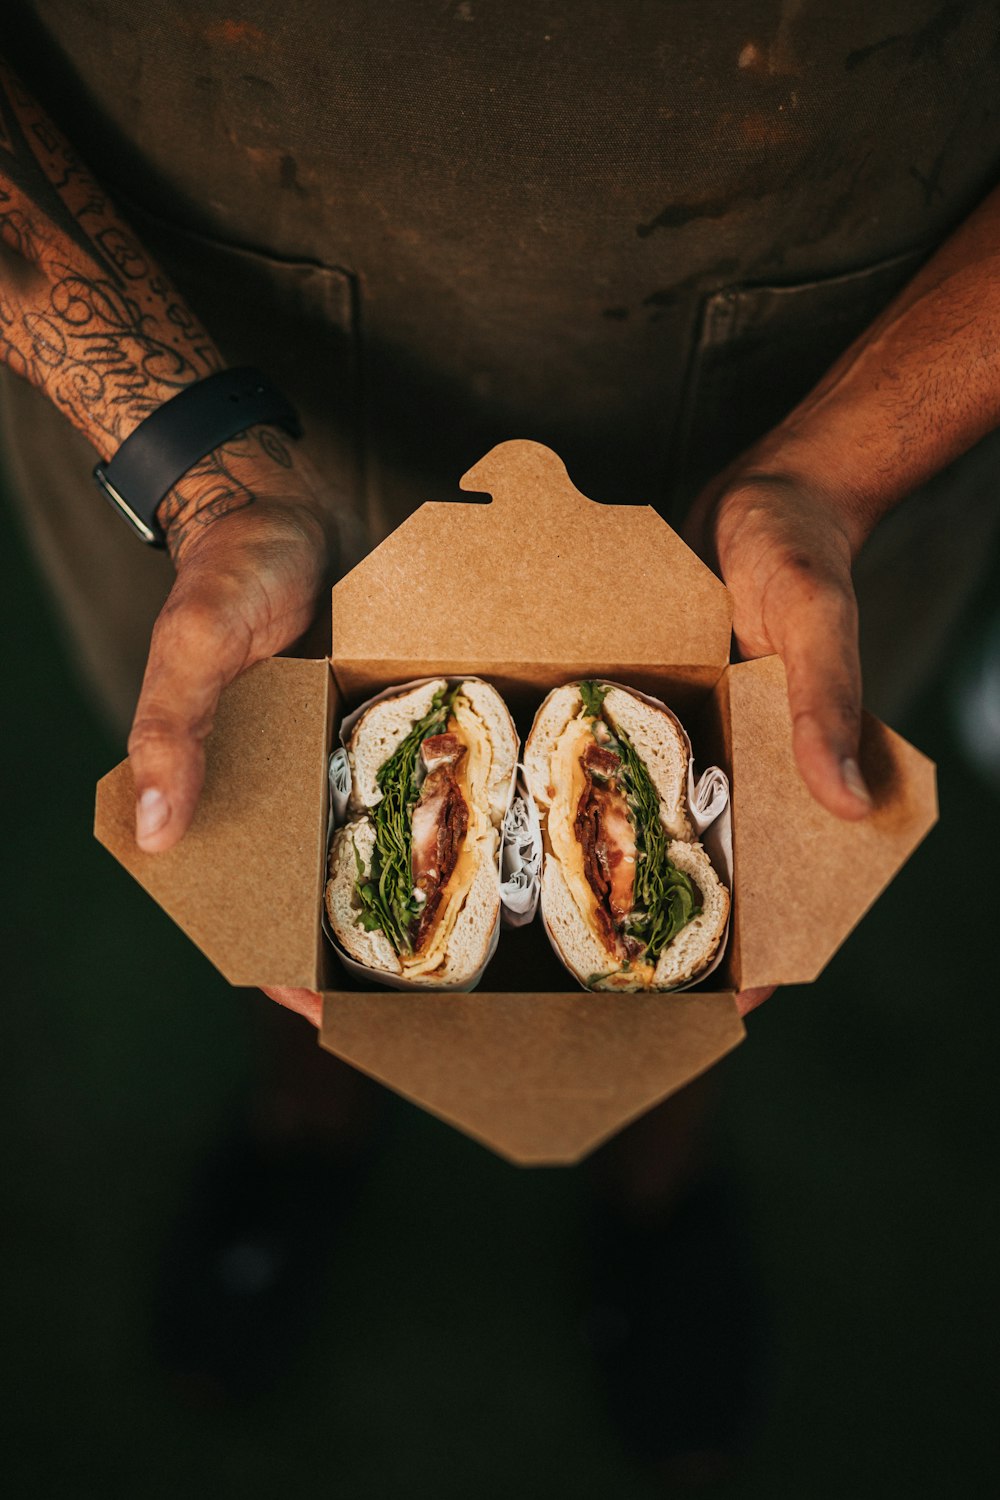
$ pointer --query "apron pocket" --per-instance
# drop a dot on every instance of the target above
(760, 349)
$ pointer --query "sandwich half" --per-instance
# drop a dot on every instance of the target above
(629, 897)
(414, 880)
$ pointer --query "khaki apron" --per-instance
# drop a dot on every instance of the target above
(637, 232)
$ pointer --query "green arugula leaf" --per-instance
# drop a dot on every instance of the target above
(385, 892)
(666, 899)
(593, 695)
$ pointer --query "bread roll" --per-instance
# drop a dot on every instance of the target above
(597, 823)
(465, 789)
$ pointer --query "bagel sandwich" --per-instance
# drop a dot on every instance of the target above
(414, 881)
(629, 897)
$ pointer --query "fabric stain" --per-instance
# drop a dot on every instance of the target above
(667, 296)
(236, 34)
(259, 86)
(862, 54)
(928, 39)
(676, 215)
(778, 58)
(760, 129)
(288, 175)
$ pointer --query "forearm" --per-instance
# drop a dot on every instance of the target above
(88, 317)
(917, 389)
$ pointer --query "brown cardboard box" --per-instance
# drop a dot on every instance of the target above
(523, 591)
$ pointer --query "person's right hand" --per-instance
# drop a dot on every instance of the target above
(246, 587)
(784, 550)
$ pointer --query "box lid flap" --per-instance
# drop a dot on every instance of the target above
(245, 881)
(803, 878)
(435, 592)
(538, 1078)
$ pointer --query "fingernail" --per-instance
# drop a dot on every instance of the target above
(152, 811)
(854, 781)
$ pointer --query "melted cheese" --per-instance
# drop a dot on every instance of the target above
(474, 773)
(636, 977)
(480, 836)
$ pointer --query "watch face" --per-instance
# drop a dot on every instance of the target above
(151, 534)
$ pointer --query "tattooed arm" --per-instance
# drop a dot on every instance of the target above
(87, 316)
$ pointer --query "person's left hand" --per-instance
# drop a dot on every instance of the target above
(784, 551)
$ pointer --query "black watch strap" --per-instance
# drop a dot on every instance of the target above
(180, 432)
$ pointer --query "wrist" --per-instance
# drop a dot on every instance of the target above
(201, 454)
(797, 464)
(261, 472)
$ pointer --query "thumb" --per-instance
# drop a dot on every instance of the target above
(198, 646)
(818, 641)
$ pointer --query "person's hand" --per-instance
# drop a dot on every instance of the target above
(307, 1003)
(246, 587)
(784, 551)
(748, 1000)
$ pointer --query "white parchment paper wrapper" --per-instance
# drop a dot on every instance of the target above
(340, 790)
(520, 858)
(711, 815)
(340, 796)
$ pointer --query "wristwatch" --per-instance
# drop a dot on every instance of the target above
(179, 433)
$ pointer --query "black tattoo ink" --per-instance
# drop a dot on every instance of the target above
(20, 166)
(96, 325)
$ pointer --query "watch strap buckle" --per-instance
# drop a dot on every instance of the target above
(149, 531)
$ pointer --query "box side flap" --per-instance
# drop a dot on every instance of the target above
(803, 878)
(537, 1078)
(245, 882)
(434, 597)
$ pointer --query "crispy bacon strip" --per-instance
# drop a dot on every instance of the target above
(440, 823)
(600, 762)
(441, 750)
(607, 837)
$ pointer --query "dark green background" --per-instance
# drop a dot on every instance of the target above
(446, 1358)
